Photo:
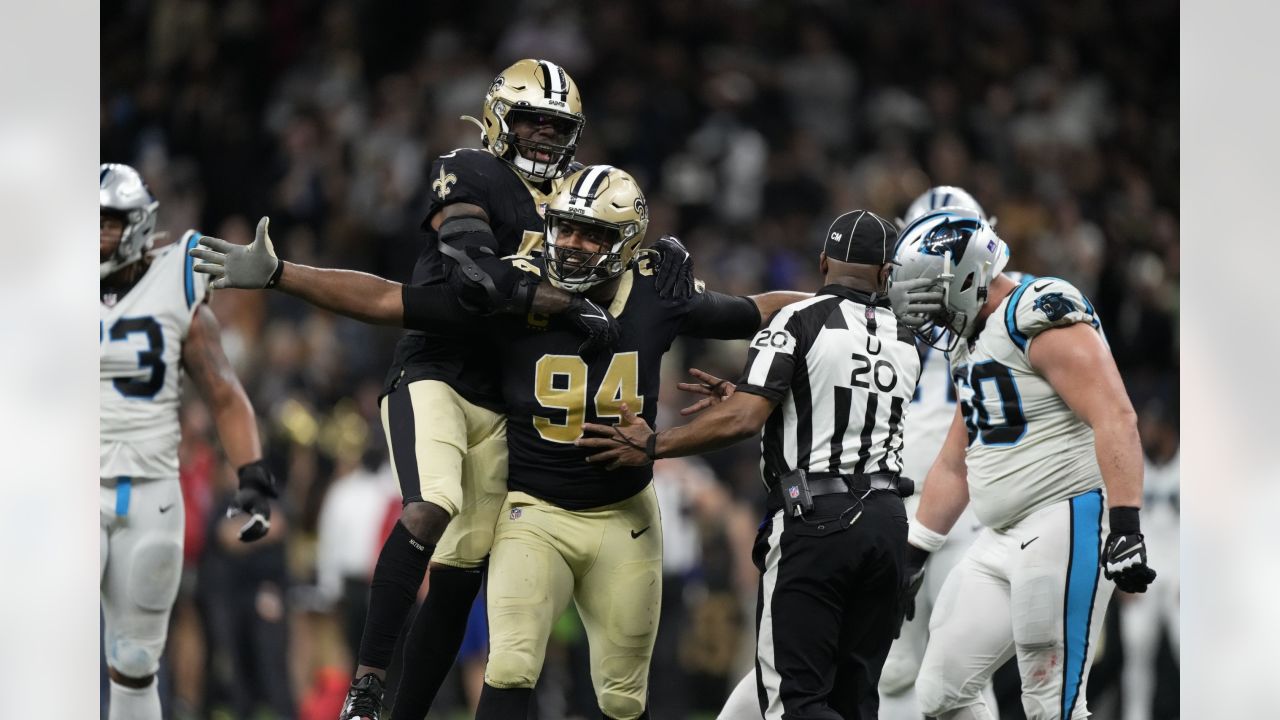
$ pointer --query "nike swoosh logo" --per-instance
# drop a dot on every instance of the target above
(635, 534)
(1042, 286)
(166, 508)
(1130, 551)
(1025, 544)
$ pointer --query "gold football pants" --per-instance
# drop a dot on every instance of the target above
(453, 454)
(609, 560)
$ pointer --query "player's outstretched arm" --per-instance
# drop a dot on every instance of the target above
(633, 442)
(216, 381)
(358, 295)
(771, 302)
(1076, 362)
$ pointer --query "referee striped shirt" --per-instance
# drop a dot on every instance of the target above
(843, 373)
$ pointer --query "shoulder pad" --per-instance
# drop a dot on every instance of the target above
(461, 176)
(1042, 303)
(195, 286)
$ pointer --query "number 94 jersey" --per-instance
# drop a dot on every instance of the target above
(1027, 449)
(140, 338)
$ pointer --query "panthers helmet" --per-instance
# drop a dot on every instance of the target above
(535, 87)
(122, 192)
(936, 198)
(605, 198)
(957, 248)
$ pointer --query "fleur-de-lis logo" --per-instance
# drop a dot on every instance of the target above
(442, 183)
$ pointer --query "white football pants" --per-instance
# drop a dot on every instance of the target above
(1035, 589)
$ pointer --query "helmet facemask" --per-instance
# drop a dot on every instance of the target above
(576, 269)
(960, 251)
(524, 153)
(606, 204)
(542, 92)
(123, 194)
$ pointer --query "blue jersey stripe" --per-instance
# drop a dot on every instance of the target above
(124, 488)
(1010, 316)
(189, 261)
(1082, 587)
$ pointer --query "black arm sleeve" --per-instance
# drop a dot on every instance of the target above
(434, 307)
(722, 317)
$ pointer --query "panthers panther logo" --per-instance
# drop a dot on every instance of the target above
(1055, 306)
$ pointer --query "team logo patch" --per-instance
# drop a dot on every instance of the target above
(516, 513)
(442, 183)
(1055, 306)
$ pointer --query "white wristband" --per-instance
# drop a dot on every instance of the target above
(924, 538)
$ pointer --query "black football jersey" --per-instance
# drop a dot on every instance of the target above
(466, 360)
(550, 391)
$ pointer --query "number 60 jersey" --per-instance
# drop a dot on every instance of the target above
(1027, 449)
(140, 338)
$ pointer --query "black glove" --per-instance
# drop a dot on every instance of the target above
(1125, 558)
(674, 275)
(599, 327)
(257, 487)
(916, 559)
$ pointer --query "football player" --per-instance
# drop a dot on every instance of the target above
(931, 411)
(154, 326)
(1044, 438)
(594, 226)
(442, 407)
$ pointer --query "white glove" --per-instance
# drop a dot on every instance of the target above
(915, 301)
(250, 267)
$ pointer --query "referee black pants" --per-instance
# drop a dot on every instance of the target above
(828, 606)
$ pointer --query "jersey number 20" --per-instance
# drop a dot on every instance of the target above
(560, 383)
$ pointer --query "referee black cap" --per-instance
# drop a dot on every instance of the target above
(862, 237)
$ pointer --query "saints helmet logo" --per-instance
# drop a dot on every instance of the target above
(442, 183)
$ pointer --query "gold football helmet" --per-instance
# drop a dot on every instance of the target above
(542, 92)
(602, 209)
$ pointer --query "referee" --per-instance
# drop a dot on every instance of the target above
(829, 379)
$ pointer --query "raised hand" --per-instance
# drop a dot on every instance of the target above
(673, 277)
(715, 390)
(248, 267)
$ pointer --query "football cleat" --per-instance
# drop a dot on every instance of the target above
(364, 699)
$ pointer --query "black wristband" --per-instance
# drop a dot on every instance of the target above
(651, 446)
(275, 276)
(257, 476)
(1124, 520)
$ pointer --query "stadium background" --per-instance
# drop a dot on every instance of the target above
(749, 124)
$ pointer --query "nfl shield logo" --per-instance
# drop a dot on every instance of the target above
(793, 491)
(991, 246)
(515, 513)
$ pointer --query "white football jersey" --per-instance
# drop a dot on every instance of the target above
(1027, 449)
(140, 365)
(931, 411)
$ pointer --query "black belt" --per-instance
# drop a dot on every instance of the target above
(839, 484)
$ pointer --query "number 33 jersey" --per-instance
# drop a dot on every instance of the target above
(140, 338)
(1027, 449)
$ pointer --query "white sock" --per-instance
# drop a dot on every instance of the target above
(134, 703)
